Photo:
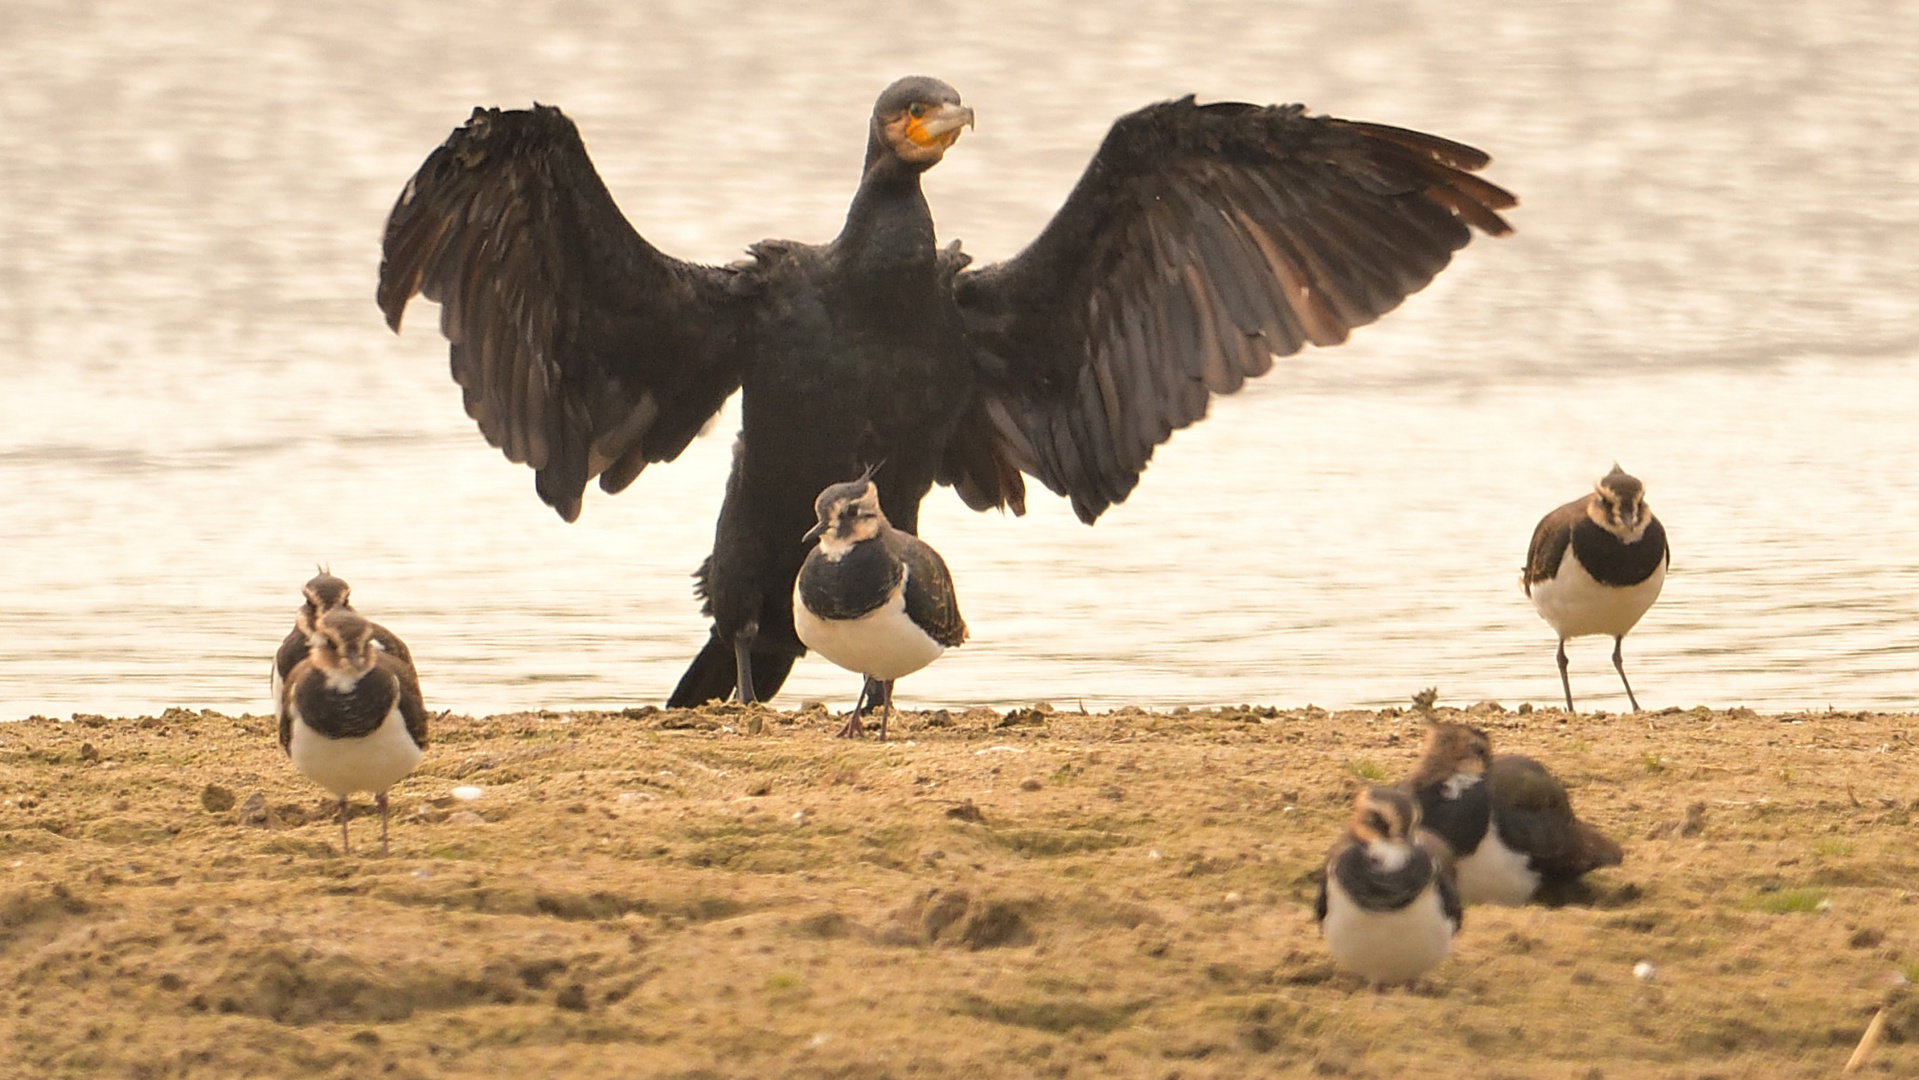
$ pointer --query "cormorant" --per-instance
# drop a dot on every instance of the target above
(1201, 241)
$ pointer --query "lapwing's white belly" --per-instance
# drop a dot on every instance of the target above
(1575, 605)
(1495, 873)
(1386, 946)
(279, 686)
(882, 644)
(372, 762)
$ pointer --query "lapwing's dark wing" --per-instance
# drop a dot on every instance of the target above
(412, 705)
(1201, 241)
(1551, 538)
(1537, 818)
(583, 350)
(930, 600)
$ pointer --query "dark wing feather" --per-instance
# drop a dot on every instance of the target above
(930, 601)
(1551, 538)
(412, 705)
(1201, 242)
(1536, 817)
(583, 350)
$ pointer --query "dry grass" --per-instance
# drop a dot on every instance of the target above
(1034, 894)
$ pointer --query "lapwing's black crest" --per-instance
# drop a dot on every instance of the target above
(871, 598)
(1595, 566)
(352, 718)
(1507, 820)
(1387, 906)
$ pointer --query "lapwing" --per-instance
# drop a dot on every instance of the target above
(1387, 906)
(1507, 819)
(353, 719)
(322, 594)
(873, 599)
(1596, 564)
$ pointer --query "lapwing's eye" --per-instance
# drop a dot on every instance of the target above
(918, 110)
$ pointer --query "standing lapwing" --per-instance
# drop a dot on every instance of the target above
(871, 598)
(1596, 564)
(323, 593)
(1507, 819)
(353, 719)
(1387, 906)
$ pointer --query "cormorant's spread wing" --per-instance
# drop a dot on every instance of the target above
(1201, 241)
(583, 350)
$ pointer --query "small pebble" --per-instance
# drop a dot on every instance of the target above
(464, 817)
(466, 794)
(1644, 971)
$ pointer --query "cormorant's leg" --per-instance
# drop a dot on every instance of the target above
(344, 848)
(1565, 683)
(380, 801)
(743, 660)
(1621, 667)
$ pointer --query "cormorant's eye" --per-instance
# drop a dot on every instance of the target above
(918, 110)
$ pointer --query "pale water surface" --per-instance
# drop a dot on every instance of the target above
(1713, 283)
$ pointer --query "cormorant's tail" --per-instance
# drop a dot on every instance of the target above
(712, 675)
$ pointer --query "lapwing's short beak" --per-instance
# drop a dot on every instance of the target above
(814, 533)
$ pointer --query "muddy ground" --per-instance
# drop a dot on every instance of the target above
(731, 893)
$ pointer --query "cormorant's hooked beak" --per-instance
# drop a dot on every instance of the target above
(940, 127)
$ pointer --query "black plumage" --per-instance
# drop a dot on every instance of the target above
(1201, 241)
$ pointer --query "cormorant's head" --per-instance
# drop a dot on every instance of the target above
(848, 513)
(323, 593)
(342, 646)
(915, 120)
(1618, 505)
(1384, 815)
(1456, 756)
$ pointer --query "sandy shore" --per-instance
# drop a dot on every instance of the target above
(725, 892)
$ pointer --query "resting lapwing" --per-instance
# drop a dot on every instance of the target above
(1387, 906)
(1507, 819)
(322, 594)
(873, 599)
(353, 719)
(1595, 565)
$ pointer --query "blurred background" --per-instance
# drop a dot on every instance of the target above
(1712, 284)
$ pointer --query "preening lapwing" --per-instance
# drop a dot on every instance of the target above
(322, 594)
(1387, 906)
(353, 719)
(1507, 819)
(1595, 565)
(1201, 242)
(871, 598)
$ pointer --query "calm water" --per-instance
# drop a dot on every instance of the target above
(1713, 283)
